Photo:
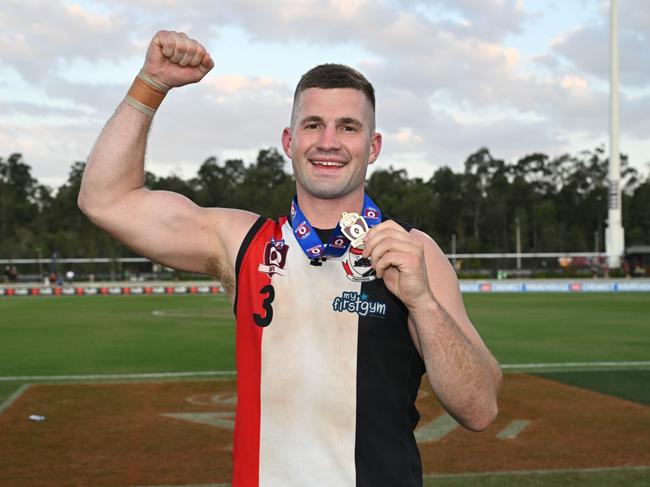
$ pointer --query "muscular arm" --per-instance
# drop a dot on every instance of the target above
(463, 374)
(460, 368)
(163, 226)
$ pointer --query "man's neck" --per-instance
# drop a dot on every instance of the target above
(326, 213)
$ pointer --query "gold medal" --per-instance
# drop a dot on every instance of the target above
(354, 227)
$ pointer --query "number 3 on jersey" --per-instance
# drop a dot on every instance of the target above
(269, 294)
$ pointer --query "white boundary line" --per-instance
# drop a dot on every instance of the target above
(231, 373)
(15, 395)
(154, 375)
(537, 472)
(575, 365)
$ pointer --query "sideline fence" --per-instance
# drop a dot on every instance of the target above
(113, 289)
(476, 266)
(215, 287)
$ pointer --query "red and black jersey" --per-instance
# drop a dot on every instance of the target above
(327, 373)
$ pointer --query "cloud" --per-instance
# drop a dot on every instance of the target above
(635, 119)
(447, 79)
(50, 149)
(236, 84)
(198, 121)
(488, 19)
(587, 47)
(38, 110)
(39, 37)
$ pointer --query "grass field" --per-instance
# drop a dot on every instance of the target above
(577, 337)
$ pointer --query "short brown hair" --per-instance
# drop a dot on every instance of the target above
(328, 76)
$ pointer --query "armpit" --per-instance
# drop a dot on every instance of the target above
(220, 270)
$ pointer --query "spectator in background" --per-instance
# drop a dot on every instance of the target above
(13, 274)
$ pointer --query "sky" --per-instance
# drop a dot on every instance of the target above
(451, 76)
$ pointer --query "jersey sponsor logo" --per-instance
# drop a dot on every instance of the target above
(275, 258)
(358, 268)
(361, 304)
(303, 230)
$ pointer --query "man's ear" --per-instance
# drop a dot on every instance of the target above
(375, 147)
(286, 141)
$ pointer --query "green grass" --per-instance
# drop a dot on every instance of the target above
(545, 327)
(632, 385)
(633, 477)
(6, 389)
(135, 334)
(115, 334)
(140, 334)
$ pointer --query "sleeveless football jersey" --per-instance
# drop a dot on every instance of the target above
(327, 373)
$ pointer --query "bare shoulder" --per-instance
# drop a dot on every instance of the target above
(170, 229)
(435, 255)
(230, 226)
(442, 277)
(444, 284)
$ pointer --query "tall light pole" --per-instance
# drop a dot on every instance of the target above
(614, 234)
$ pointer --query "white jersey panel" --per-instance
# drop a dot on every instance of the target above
(309, 376)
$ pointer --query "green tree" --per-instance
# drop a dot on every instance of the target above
(19, 206)
(387, 188)
(637, 228)
(266, 189)
(560, 202)
(447, 189)
(219, 186)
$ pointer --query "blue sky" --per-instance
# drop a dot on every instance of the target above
(451, 76)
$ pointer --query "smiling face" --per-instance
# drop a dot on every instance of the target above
(331, 141)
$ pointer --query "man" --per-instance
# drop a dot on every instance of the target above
(332, 340)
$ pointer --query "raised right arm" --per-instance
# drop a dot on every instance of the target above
(163, 226)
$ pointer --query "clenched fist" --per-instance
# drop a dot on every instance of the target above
(174, 59)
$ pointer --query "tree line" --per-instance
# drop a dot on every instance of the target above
(560, 204)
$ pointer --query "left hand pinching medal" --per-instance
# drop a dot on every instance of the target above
(355, 228)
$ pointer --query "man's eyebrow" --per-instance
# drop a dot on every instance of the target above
(311, 118)
(339, 121)
(350, 121)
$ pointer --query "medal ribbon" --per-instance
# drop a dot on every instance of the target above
(338, 243)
